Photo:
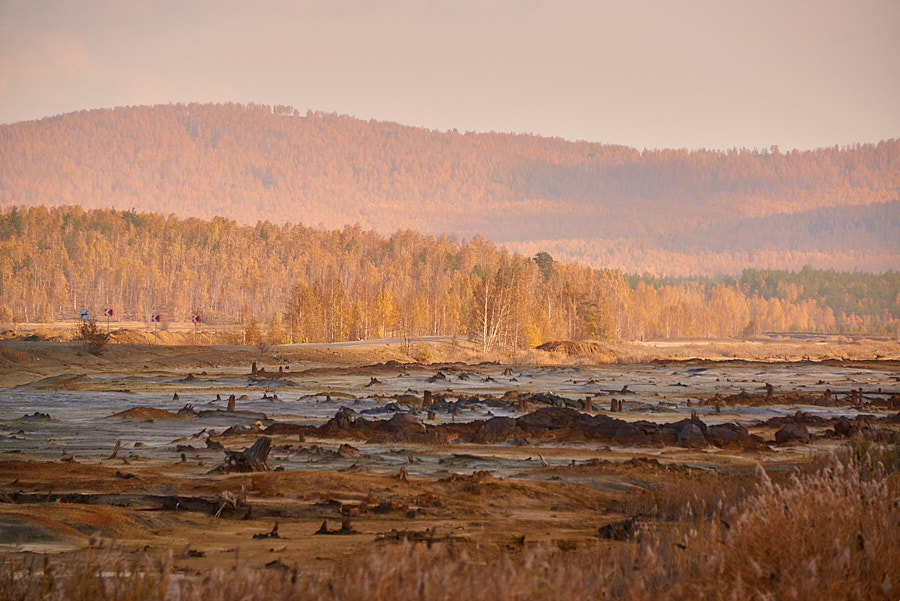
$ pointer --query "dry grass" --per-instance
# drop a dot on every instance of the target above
(14, 355)
(764, 349)
(830, 533)
(688, 496)
(100, 573)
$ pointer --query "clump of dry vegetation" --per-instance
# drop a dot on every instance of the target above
(825, 533)
(100, 573)
(689, 495)
(93, 337)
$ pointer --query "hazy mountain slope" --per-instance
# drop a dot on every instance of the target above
(668, 211)
(866, 228)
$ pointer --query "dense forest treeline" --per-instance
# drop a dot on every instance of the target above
(668, 212)
(309, 284)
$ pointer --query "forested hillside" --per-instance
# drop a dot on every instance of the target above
(306, 284)
(667, 212)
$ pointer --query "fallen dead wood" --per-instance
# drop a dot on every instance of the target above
(214, 506)
(132, 501)
(427, 536)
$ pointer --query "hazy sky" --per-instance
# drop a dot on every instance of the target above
(649, 74)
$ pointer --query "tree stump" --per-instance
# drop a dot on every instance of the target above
(250, 460)
(116, 450)
(624, 530)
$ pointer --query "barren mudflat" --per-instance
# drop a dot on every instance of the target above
(370, 449)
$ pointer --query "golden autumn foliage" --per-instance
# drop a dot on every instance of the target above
(290, 283)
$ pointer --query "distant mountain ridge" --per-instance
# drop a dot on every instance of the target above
(667, 212)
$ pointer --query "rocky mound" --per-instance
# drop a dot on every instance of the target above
(595, 351)
(147, 413)
(549, 424)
